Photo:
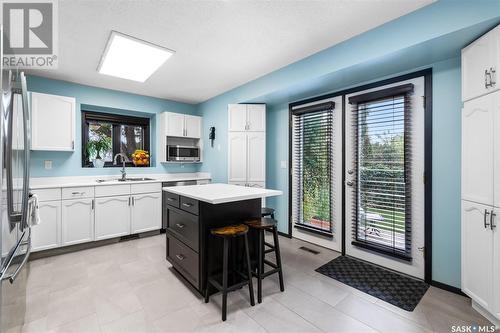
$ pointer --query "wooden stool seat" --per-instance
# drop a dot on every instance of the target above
(230, 230)
(265, 212)
(262, 223)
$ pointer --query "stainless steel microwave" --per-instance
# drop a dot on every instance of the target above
(183, 153)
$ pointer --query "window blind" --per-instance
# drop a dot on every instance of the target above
(312, 135)
(382, 160)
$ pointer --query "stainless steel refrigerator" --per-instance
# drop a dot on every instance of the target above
(15, 240)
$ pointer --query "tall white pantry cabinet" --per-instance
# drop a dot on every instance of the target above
(481, 175)
(247, 145)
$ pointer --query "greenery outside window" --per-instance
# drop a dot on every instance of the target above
(126, 134)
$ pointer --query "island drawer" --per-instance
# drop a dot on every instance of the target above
(185, 260)
(184, 226)
(171, 199)
(189, 205)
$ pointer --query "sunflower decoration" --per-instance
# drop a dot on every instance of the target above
(140, 157)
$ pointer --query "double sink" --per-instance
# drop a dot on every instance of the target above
(135, 179)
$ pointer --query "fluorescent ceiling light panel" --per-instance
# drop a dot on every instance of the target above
(130, 58)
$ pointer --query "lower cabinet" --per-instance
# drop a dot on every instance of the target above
(112, 217)
(477, 253)
(146, 212)
(77, 221)
(47, 234)
(481, 257)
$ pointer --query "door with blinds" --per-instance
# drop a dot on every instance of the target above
(316, 179)
(384, 176)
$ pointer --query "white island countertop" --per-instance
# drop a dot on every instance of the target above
(221, 193)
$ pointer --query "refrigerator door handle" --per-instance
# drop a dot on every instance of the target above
(12, 277)
(14, 216)
(27, 146)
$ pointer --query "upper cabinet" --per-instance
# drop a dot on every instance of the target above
(52, 122)
(180, 125)
(480, 62)
(247, 117)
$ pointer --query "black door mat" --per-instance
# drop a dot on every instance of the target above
(399, 290)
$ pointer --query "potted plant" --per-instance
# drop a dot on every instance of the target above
(96, 147)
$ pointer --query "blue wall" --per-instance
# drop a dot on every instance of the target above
(429, 37)
(98, 99)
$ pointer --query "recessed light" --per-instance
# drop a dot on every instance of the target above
(131, 58)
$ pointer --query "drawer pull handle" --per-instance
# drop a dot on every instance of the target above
(180, 257)
(486, 224)
(77, 193)
(180, 225)
(170, 199)
(187, 205)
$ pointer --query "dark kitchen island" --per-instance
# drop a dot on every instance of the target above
(191, 211)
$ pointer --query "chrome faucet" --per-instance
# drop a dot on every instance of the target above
(124, 160)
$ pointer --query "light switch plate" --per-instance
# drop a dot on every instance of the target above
(283, 164)
(48, 164)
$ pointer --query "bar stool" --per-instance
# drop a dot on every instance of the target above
(228, 233)
(261, 225)
(267, 212)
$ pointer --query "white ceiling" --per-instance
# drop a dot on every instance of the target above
(219, 44)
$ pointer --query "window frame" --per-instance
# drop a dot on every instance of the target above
(116, 120)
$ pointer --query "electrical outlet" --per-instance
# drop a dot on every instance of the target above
(48, 164)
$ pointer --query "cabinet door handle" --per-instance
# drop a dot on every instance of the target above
(493, 80)
(187, 205)
(133, 201)
(129, 201)
(180, 225)
(492, 220)
(180, 257)
(486, 213)
(92, 205)
(486, 84)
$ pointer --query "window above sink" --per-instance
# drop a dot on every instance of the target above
(126, 134)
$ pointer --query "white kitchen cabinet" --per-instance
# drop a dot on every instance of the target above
(246, 144)
(146, 212)
(192, 126)
(180, 125)
(246, 157)
(480, 61)
(47, 234)
(247, 117)
(237, 157)
(174, 124)
(256, 157)
(112, 217)
(496, 264)
(77, 221)
(477, 150)
(52, 122)
(237, 117)
(477, 253)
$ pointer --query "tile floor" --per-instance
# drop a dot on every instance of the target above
(130, 287)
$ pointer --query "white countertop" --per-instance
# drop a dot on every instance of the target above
(221, 193)
(53, 182)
